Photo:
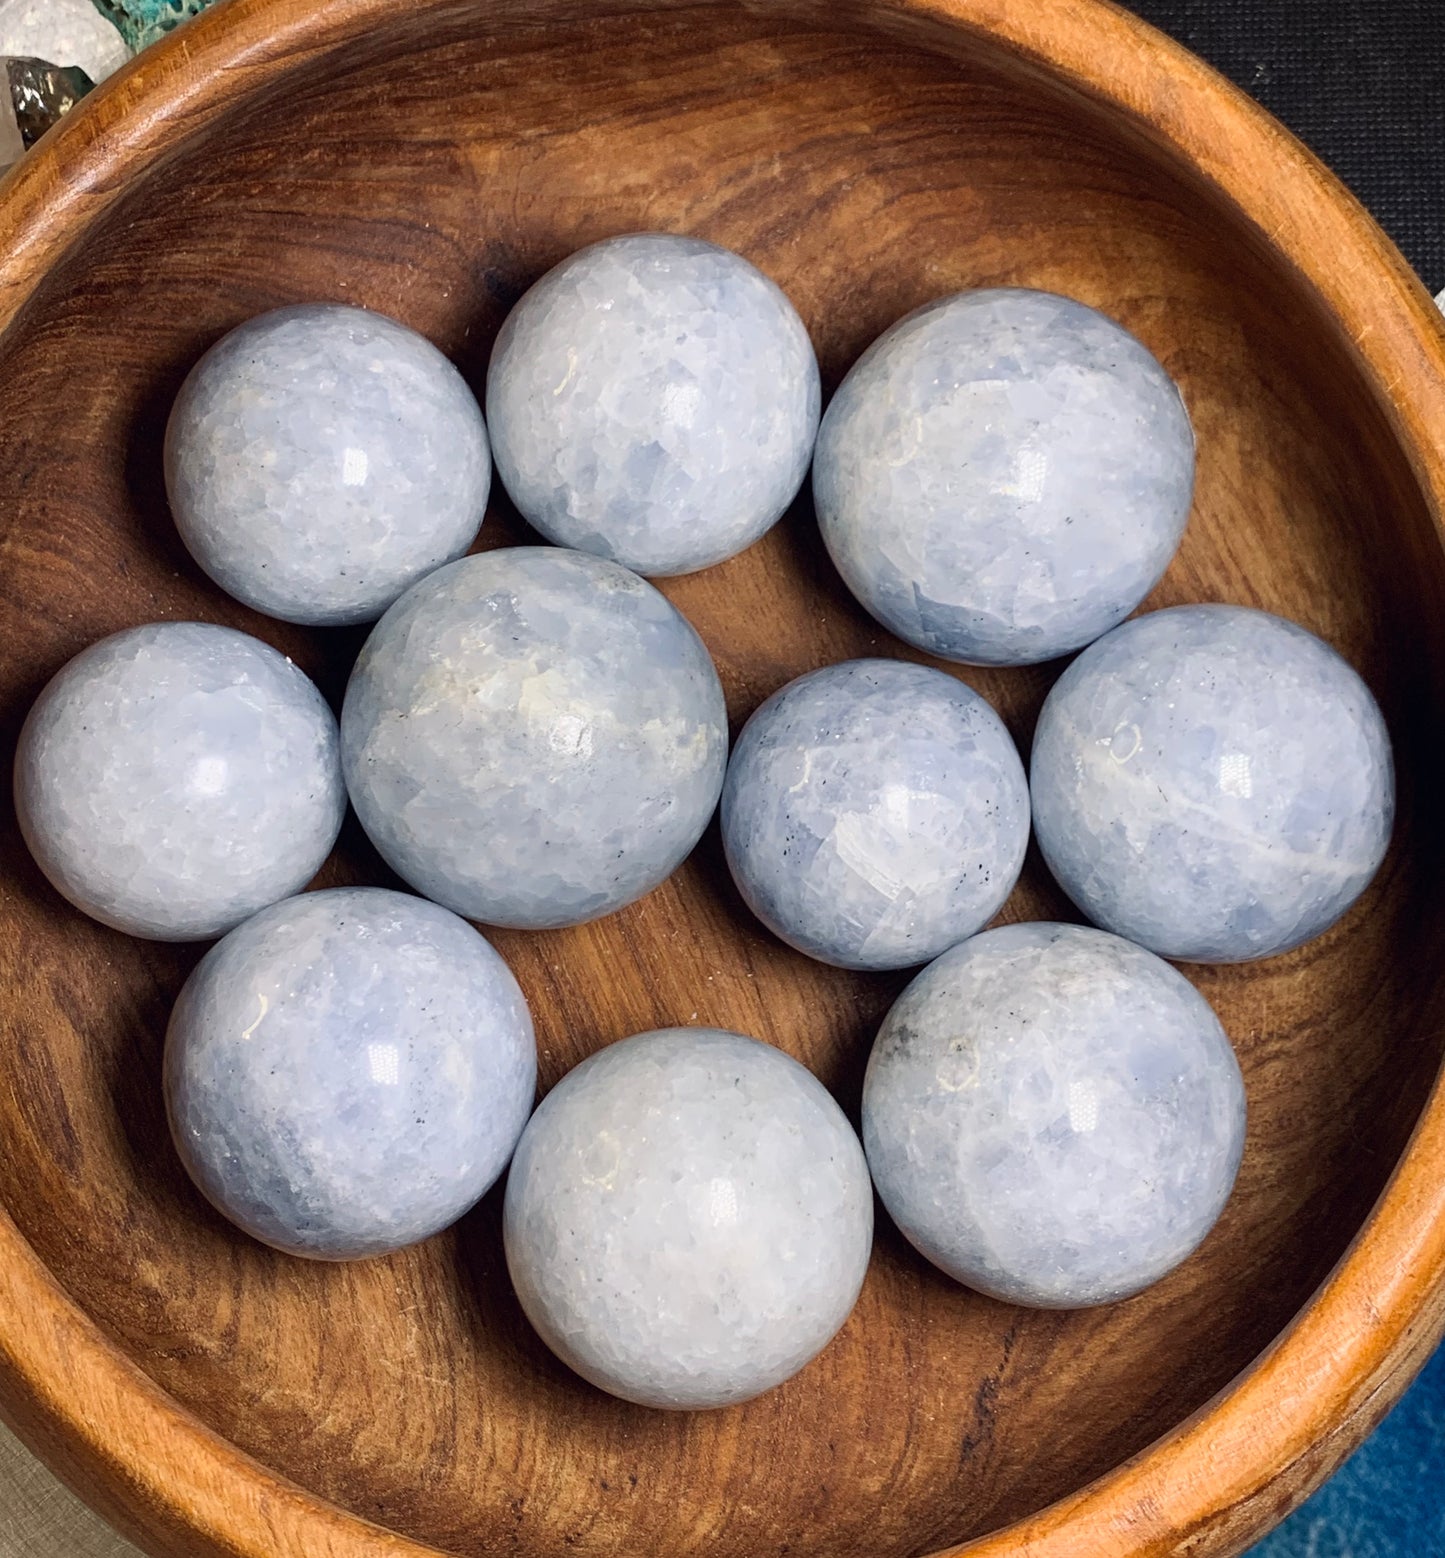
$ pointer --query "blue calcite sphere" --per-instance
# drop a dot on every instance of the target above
(173, 779)
(654, 400)
(1004, 476)
(874, 813)
(1212, 782)
(320, 459)
(688, 1218)
(534, 737)
(1053, 1116)
(348, 1072)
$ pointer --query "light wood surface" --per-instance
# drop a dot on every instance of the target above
(430, 158)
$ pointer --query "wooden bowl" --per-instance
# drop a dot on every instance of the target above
(430, 158)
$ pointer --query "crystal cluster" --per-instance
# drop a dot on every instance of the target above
(63, 32)
(143, 22)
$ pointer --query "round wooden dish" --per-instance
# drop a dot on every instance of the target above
(430, 158)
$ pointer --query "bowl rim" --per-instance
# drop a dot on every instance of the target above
(1265, 1441)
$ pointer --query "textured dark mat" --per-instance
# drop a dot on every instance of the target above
(1362, 82)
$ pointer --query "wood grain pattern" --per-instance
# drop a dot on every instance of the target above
(430, 158)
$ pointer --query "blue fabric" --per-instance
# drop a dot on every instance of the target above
(1388, 1499)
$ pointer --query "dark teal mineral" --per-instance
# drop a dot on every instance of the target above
(143, 21)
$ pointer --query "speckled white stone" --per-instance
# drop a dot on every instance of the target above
(1213, 782)
(63, 32)
(321, 459)
(653, 399)
(534, 737)
(688, 1218)
(1003, 476)
(348, 1072)
(173, 779)
(874, 813)
(1053, 1115)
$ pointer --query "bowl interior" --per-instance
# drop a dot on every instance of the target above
(433, 171)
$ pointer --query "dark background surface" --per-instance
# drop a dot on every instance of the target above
(1361, 82)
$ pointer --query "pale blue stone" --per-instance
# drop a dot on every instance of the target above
(348, 1072)
(173, 779)
(874, 813)
(320, 459)
(1053, 1116)
(688, 1218)
(1213, 782)
(534, 737)
(653, 399)
(1004, 476)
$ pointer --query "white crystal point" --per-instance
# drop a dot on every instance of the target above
(63, 32)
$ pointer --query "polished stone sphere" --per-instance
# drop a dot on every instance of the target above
(1212, 782)
(172, 779)
(534, 737)
(688, 1218)
(348, 1072)
(320, 459)
(875, 813)
(653, 399)
(1003, 476)
(1053, 1116)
